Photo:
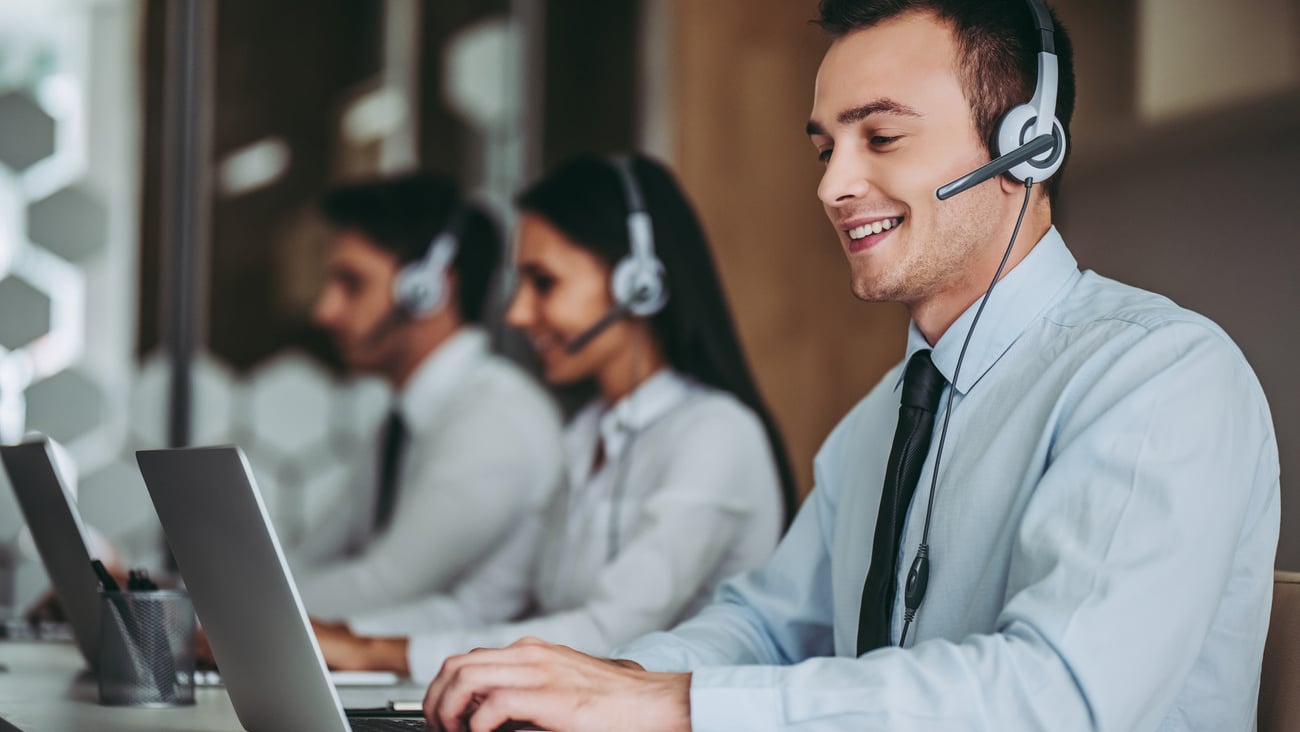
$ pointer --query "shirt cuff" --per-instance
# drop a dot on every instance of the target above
(425, 654)
(654, 653)
(735, 697)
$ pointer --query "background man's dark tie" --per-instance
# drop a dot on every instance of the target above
(394, 444)
(922, 387)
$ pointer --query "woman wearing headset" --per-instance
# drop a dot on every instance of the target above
(678, 478)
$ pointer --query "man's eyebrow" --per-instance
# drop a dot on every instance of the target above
(859, 113)
(878, 106)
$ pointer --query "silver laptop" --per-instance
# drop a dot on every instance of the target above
(221, 536)
(51, 513)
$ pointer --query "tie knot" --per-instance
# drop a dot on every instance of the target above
(922, 383)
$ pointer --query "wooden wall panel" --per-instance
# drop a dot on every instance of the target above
(742, 85)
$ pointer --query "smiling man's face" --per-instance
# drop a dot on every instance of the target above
(891, 123)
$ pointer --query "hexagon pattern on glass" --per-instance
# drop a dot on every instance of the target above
(28, 131)
(299, 427)
(213, 392)
(26, 313)
(71, 223)
(64, 406)
(289, 401)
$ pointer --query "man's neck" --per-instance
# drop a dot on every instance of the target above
(423, 343)
(935, 314)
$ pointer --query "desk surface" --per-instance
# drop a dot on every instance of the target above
(46, 689)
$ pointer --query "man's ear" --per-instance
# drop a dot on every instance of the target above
(1011, 185)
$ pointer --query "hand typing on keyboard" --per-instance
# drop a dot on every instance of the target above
(554, 687)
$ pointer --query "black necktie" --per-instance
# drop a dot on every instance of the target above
(393, 445)
(922, 386)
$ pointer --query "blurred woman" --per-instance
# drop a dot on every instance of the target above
(678, 478)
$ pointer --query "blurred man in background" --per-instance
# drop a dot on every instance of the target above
(470, 452)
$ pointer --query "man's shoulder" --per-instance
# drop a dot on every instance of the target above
(1101, 317)
(498, 400)
(875, 411)
(1110, 332)
(497, 379)
(1100, 301)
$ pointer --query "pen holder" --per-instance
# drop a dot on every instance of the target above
(146, 656)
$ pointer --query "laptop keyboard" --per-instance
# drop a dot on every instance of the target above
(374, 724)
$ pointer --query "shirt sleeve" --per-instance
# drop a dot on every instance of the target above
(775, 614)
(466, 493)
(682, 530)
(336, 532)
(497, 590)
(1162, 472)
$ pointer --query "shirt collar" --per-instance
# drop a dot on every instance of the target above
(439, 376)
(614, 427)
(1019, 298)
(655, 397)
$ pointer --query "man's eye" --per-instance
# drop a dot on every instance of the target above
(543, 284)
(824, 156)
(350, 284)
(882, 140)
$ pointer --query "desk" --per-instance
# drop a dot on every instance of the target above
(46, 689)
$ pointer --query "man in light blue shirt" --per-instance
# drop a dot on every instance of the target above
(1106, 515)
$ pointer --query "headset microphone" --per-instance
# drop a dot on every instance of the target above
(997, 166)
(612, 316)
(637, 281)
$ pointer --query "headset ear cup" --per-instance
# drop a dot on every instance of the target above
(1015, 130)
(416, 292)
(639, 286)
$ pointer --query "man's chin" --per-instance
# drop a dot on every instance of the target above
(870, 290)
(560, 376)
(356, 363)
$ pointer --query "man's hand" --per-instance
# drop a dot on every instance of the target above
(203, 658)
(555, 688)
(347, 651)
(48, 609)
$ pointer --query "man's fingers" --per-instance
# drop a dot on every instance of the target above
(527, 708)
(526, 651)
(472, 683)
(449, 668)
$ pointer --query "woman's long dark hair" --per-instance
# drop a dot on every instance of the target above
(585, 199)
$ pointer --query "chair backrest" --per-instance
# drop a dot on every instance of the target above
(1279, 683)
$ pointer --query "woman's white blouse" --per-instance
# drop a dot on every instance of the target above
(687, 495)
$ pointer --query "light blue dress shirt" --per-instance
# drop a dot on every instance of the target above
(1101, 550)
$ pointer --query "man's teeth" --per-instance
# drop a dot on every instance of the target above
(875, 227)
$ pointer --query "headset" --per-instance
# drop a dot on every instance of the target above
(1022, 155)
(637, 282)
(1028, 158)
(420, 287)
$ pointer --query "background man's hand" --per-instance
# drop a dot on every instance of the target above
(347, 651)
(554, 688)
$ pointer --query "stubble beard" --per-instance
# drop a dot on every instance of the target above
(928, 261)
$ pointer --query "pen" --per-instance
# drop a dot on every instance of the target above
(105, 579)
